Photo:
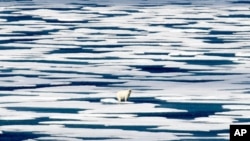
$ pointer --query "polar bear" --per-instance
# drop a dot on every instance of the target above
(123, 95)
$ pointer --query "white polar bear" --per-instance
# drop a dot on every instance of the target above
(123, 95)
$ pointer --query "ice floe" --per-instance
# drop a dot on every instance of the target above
(63, 61)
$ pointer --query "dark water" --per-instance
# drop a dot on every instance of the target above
(62, 62)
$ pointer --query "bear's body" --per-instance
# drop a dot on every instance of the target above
(123, 95)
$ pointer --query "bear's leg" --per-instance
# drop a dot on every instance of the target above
(125, 98)
(119, 99)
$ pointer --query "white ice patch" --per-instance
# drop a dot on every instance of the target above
(58, 131)
(16, 115)
(109, 101)
(53, 14)
(130, 108)
(110, 45)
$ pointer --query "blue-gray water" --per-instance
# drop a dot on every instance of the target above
(62, 62)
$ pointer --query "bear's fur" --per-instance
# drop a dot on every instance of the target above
(123, 95)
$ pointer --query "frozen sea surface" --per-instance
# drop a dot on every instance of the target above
(61, 63)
